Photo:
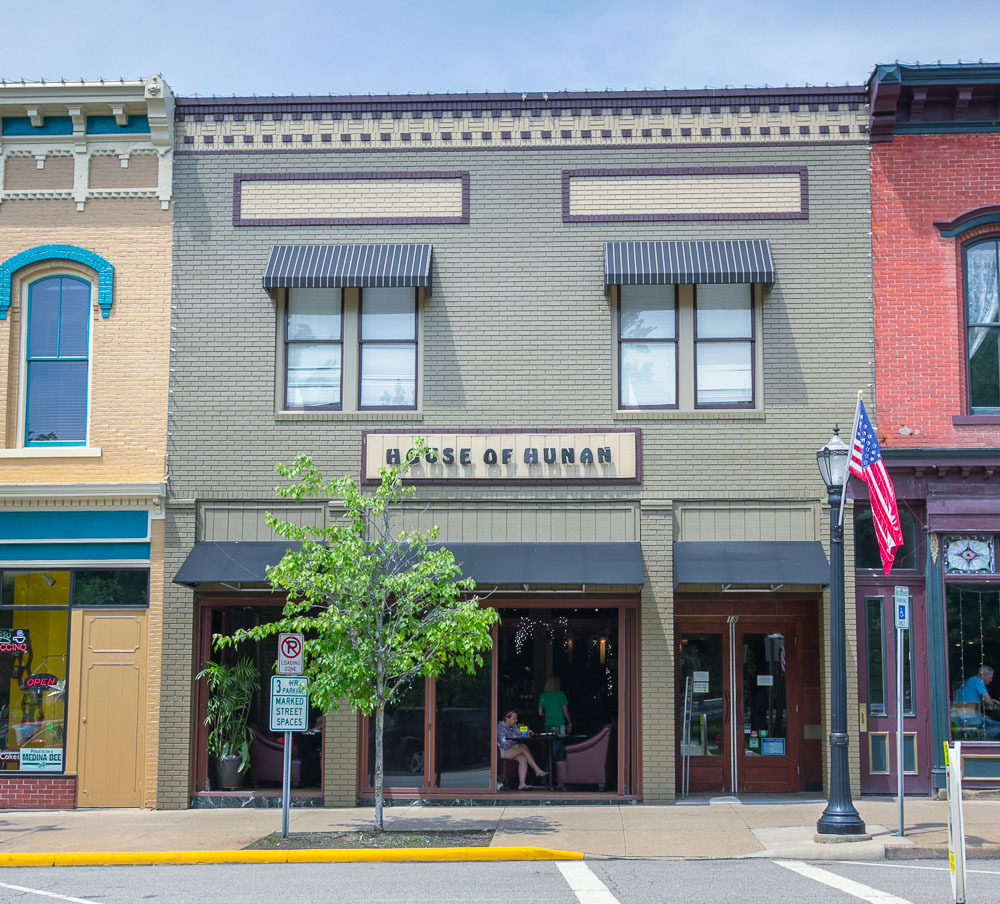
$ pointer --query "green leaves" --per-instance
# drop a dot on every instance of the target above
(230, 692)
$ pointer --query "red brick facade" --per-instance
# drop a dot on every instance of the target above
(38, 792)
(917, 180)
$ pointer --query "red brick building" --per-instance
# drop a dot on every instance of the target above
(935, 200)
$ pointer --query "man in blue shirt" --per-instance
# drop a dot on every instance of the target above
(974, 691)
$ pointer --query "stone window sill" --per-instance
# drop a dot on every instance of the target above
(53, 452)
(366, 417)
(971, 420)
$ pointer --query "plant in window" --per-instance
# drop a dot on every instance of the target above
(230, 692)
(379, 607)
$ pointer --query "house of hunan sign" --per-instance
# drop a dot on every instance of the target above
(610, 456)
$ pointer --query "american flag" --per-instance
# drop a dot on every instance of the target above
(866, 463)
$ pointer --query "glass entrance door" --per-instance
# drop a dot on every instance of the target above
(743, 722)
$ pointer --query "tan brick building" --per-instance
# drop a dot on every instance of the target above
(627, 319)
(86, 175)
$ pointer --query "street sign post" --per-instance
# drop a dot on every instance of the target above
(289, 712)
(956, 820)
(901, 603)
(291, 648)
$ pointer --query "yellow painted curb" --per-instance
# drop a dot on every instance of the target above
(392, 855)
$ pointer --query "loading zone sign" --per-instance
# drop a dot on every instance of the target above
(289, 704)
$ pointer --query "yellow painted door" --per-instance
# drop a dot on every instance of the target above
(112, 698)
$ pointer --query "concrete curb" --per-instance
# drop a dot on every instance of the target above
(940, 852)
(151, 858)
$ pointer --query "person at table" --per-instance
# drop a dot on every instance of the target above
(512, 749)
(974, 691)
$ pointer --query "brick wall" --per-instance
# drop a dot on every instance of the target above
(917, 180)
(518, 332)
(42, 793)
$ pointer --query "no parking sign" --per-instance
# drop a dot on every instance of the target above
(291, 648)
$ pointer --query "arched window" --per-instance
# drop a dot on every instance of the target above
(57, 365)
(866, 554)
(982, 312)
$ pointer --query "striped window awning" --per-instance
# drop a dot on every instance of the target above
(670, 263)
(347, 266)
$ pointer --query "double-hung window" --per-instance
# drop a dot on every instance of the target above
(687, 346)
(982, 309)
(350, 349)
(723, 346)
(647, 347)
(57, 362)
(314, 349)
(388, 348)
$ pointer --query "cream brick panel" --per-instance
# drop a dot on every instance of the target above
(352, 198)
(747, 193)
(106, 171)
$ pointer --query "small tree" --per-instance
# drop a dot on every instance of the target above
(379, 608)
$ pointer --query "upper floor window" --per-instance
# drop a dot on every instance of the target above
(388, 341)
(314, 349)
(350, 349)
(866, 554)
(57, 342)
(982, 294)
(687, 346)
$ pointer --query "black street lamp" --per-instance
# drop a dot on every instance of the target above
(839, 817)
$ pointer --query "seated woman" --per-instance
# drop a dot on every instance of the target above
(510, 749)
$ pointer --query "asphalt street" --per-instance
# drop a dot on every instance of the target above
(581, 882)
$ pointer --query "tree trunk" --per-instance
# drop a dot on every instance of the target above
(379, 766)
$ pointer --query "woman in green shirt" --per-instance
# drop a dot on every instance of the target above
(554, 708)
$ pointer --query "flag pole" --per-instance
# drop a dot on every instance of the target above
(850, 453)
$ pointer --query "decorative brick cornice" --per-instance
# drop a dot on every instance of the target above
(507, 121)
(105, 271)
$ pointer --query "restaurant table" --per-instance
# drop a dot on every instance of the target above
(549, 741)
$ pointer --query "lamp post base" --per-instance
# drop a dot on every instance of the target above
(841, 823)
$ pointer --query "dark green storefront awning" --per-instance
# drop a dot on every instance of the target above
(759, 563)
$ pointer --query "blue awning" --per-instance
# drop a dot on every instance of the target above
(347, 266)
(671, 263)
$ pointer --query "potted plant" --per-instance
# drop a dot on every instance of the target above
(230, 692)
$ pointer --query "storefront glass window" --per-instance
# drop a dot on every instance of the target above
(33, 645)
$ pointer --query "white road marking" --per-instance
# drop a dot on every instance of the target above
(936, 869)
(848, 886)
(584, 884)
(49, 894)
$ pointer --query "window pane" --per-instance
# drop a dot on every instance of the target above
(43, 318)
(724, 373)
(723, 312)
(74, 319)
(866, 554)
(647, 312)
(388, 314)
(388, 376)
(32, 689)
(875, 642)
(313, 375)
(648, 374)
(57, 401)
(907, 675)
(981, 282)
(984, 367)
(111, 588)
(314, 314)
(464, 742)
(35, 588)
(879, 764)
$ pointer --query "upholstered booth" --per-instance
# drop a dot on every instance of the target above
(267, 760)
(586, 762)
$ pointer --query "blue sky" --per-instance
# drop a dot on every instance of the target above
(302, 46)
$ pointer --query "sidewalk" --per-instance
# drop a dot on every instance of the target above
(703, 829)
